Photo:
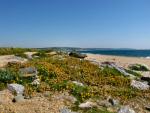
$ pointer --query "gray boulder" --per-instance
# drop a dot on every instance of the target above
(18, 98)
(16, 88)
(28, 70)
(126, 109)
(140, 85)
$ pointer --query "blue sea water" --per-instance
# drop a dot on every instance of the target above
(128, 53)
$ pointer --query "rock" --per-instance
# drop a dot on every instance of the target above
(4, 59)
(77, 83)
(29, 71)
(126, 109)
(87, 104)
(147, 108)
(70, 99)
(36, 82)
(120, 69)
(65, 110)
(16, 88)
(18, 98)
(146, 79)
(104, 103)
(139, 85)
(114, 102)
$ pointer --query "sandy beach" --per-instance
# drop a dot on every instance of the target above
(119, 60)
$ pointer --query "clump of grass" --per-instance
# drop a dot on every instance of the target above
(138, 67)
(10, 51)
(6, 76)
(133, 73)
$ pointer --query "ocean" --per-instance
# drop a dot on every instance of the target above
(128, 53)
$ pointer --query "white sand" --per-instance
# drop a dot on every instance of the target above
(120, 60)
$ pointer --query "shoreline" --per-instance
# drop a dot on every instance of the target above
(123, 61)
(147, 57)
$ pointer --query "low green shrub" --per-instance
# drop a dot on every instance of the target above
(133, 73)
(77, 55)
(6, 76)
(138, 67)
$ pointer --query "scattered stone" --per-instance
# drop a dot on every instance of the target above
(87, 104)
(114, 102)
(65, 110)
(104, 103)
(29, 70)
(126, 109)
(140, 85)
(77, 83)
(16, 88)
(36, 82)
(18, 98)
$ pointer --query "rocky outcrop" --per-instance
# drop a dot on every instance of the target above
(140, 85)
(16, 88)
(120, 69)
(28, 70)
(10, 58)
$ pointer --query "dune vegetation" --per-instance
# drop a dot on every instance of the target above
(56, 73)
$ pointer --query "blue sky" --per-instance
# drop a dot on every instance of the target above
(75, 23)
